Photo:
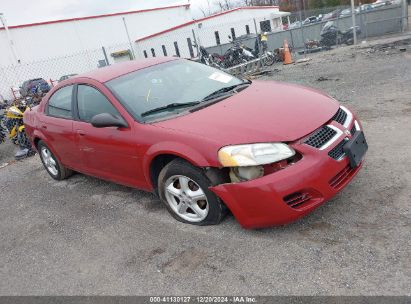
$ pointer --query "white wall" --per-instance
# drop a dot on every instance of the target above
(205, 31)
(60, 39)
(52, 50)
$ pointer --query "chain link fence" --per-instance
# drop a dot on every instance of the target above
(213, 42)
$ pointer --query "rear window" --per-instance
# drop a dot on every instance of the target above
(59, 104)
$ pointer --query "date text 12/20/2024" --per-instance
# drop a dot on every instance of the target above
(203, 299)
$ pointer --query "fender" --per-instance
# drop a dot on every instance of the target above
(175, 148)
(38, 134)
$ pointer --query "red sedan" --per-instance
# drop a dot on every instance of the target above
(206, 142)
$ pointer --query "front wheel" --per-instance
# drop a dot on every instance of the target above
(183, 188)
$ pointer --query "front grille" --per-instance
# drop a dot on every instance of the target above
(297, 199)
(338, 151)
(321, 137)
(341, 178)
(340, 116)
(353, 129)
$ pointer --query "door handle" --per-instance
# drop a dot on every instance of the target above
(44, 127)
(81, 132)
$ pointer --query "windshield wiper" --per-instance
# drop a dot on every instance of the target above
(224, 90)
(174, 105)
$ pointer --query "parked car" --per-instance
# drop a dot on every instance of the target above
(28, 86)
(380, 3)
(296, 24)
(64, 77)
(309, 20)
(332, 15)
(366, 7)
(203, 140)
(347, 12)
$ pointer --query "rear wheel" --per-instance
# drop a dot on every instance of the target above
(51, 163)
(269, 60)
(183, 188)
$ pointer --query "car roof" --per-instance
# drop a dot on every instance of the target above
(118, 69)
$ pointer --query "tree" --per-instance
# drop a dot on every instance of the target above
(224, 5)
(312, 4)
(260, 2)
(206, 9)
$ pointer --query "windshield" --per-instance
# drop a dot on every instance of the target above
(174, 82)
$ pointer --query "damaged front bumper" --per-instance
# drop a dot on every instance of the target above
(284, 196)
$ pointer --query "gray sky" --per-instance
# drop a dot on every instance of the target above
(29, 11)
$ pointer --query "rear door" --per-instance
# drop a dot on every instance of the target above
(57, 126)
(109, 153)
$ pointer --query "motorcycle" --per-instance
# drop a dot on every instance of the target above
(209, 59)
(229, 59)
(331, 35)
(12, 122)
(232, 57)
(267, 58)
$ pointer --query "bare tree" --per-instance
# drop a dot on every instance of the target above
(206, 10)
(225, 5)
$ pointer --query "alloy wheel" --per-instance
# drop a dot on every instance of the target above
(186, 198)
(49, 161)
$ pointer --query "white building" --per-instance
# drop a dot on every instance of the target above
(44, 40)
(55, 48)
(211, 31)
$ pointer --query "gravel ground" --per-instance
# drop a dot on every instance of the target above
(85, 236)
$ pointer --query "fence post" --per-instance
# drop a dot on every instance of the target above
(259, 43)
(292, 40)
(353, 21)
(195, 43)
(338, 26)
(128, 38)
(105, 55)
(302, 33)
(12, 92)
(404, 15)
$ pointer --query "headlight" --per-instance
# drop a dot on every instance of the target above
(254, 154)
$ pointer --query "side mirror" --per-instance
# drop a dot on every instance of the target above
(105, 120)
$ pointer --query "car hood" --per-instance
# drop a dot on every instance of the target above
(266, 111)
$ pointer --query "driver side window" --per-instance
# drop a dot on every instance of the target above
(91, 102)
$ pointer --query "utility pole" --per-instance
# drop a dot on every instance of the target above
(353, 21)
(128, 37)
(10, 41)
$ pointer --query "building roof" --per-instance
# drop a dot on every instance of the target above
(205, 18)
(97, 16)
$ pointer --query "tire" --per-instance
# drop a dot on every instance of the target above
(183, 188)
(350, 41)
(60, 172)
(269, 60)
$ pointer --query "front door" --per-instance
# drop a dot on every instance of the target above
(109, 153)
